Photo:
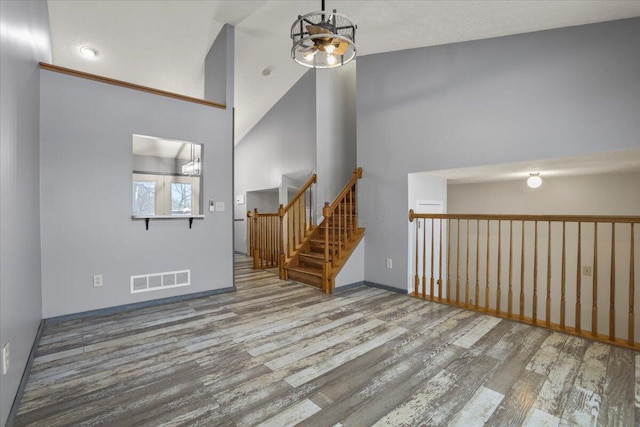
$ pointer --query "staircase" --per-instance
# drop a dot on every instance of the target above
(302, 251)
(328, 246)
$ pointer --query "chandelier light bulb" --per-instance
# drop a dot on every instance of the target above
(309, 55)
(330, 48)
(534, 180)
(331, 60)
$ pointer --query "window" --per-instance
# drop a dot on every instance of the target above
(166, 177)
(163, 195)
(180, 198)
(144, 197)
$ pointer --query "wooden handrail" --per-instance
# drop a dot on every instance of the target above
(572, 244)
(108, 80)
(304, 188)
(553, 218)
(260, 214)
(357, 174)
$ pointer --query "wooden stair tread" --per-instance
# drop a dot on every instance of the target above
(321, 242)
(315, 255)
(306, 270)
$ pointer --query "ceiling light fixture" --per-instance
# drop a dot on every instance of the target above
(88, 52)
(323, 39)
(192, 168)
(534, 180)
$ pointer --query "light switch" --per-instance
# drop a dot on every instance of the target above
(212, 206)
(220, 206)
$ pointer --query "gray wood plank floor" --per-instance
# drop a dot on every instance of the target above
(278, 353)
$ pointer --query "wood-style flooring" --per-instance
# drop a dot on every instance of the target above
(278, 353)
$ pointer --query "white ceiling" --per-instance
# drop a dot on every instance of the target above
(163, 43)
(609, 162)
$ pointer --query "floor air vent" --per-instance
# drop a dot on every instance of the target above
(157, 281)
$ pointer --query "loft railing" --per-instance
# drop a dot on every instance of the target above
(538, 269)
(273, 238)
(340, 227)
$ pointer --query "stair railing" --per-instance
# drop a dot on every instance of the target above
(263, 239)
(296, 222)
(537, 269)
(340, 226)
(273, 238)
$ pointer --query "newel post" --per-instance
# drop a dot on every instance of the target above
(326, 267)
(281, 259)
(256, 243)
(326, 213)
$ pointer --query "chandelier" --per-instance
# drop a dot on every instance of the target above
(193, 167)
(323, 39)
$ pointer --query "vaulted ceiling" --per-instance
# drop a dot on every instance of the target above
(163, 43)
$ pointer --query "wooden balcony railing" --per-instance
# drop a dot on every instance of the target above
(544, 270)
(274, 237)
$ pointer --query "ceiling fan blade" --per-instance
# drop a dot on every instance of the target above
(341, 47)
(315, 29)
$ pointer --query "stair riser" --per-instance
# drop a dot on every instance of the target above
(304, 278)
(311, 262)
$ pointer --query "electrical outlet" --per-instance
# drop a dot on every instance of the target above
(97, 280)
(587, 270)
(389, 263)
(5, 359)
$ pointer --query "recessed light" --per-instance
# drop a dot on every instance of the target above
(88, 52)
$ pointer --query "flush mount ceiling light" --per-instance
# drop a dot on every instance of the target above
(323, 39)
(534, 180)
(88, 52)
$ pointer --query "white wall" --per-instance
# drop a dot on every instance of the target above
(604, 194)
(86, 163)
(24, 41)
(424, 188)
(556, 93)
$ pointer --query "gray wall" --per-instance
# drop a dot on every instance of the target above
(86, 164)
(548, 94)
(336, 131)
(282, 143)
(25, 41)
(219, 68)
(266, 201)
